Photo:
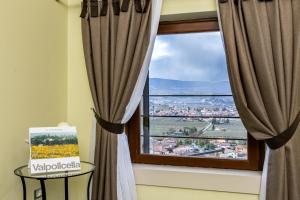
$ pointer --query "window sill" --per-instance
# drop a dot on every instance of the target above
(237, 181)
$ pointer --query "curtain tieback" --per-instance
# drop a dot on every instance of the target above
(281, 139)
(109, 126)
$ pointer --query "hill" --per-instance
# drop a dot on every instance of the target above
(166, 86)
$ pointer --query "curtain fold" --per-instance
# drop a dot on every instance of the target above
(117, 39)
(262, 41)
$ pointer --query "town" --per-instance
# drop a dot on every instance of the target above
(181, 126)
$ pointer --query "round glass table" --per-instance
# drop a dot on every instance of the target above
(24, 172)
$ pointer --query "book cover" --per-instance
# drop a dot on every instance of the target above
(53, 149)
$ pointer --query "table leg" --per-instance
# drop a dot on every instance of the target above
(88, 188)
(42, 182)
(66, 188)
(24, 187)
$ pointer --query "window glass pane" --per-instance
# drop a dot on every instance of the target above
(230, 128)
(209, 148)
(190, 63)
(204, 106)
(189, 110)
(175, 135)
(159, 86)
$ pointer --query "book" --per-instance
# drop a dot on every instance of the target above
(53, 149)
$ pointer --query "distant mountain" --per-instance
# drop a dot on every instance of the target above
(166, 86)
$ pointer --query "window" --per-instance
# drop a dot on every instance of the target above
(187, 115)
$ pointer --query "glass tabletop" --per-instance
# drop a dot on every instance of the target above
(86, 168)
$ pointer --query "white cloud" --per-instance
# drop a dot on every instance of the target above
(161, 49)
(189, 57)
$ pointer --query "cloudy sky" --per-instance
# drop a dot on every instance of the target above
(191, 56)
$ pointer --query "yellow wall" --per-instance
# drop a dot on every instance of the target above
(33, 80)
(187, 6)
(79, 101)
(162, 193)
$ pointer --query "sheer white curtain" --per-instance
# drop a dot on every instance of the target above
(125, 177)
(263, 182)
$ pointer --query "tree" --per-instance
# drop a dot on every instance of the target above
(214, 121)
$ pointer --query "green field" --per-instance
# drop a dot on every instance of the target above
(163, 126)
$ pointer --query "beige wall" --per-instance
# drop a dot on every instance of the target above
(33, 80)
(163, 193)
(171, 7)
(79, 101)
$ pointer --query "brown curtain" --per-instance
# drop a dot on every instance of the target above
(262, 41)
(115, 40)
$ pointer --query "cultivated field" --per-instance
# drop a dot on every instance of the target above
(54, 151)
(235, 129)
